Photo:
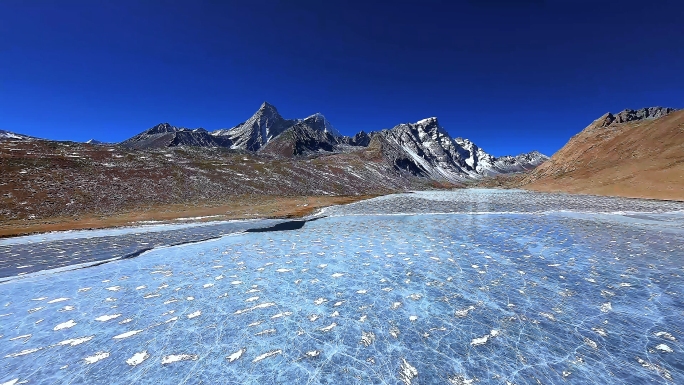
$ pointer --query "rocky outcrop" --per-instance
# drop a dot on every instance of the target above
(628, 115)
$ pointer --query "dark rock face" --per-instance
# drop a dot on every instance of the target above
(166, 135)
(393, 154)
(301, 139)
(360, 139)
(634, 115)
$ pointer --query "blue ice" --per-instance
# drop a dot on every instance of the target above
(535, 296)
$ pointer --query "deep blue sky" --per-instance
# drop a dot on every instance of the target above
(511, 76)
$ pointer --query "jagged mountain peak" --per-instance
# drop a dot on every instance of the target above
(253, 133)
(162, 128)
(318, 121)
(267, 106)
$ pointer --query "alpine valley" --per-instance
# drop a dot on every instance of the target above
(264, 156)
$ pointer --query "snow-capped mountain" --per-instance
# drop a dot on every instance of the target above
(433, 152)
(11, 135)
(166, 135)
(423, 148)
(256, 131)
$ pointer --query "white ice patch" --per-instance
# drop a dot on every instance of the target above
(114, 288)
(407, 372)
(483, 340)
(267, 355)
(65, 325)
(255, 307)
(25, 336)
(267, 331)
(23, 353)
(665, 335)
(590, 343)
(96, 357)
(58, 300)
(236, 356)
(104, 318)
(329, 327)
(138, 358)
(178, 357)
(463, 312)
(195, 314)
(367, 338)
(76, 341)
(664, 348)
(127, 334)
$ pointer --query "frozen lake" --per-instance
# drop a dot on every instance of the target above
(465, 287)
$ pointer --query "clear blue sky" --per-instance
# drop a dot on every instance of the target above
(513, 76)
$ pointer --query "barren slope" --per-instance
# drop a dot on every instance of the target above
(43, 180)
(641, 159)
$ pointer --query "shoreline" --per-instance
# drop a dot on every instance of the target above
(241, 208)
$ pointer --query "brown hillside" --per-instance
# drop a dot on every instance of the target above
(642, 159)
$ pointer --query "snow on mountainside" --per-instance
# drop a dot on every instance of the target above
(11, 135)
(432, 151)
(95, 141)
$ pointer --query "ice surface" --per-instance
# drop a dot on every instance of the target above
(514, 296)
(73, 249)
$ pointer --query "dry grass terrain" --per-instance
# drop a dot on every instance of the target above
(241, 207)
(47, 185)
(639, 159)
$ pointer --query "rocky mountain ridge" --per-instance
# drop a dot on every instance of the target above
(427, 150)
